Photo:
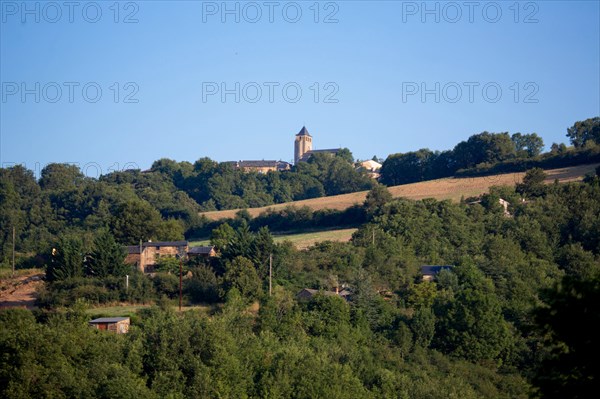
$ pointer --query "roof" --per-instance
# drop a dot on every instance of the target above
(109, 320)
(308, 154)
(433, 270)
(309, 293)
(165, 244)
(201, 250)
(370, 164)
(303, 132)
(133, 249)
(258, 164)
(331, 150)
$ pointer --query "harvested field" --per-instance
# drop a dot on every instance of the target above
(441, 189)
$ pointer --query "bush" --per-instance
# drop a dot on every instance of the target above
(203, 286)
(166, 284)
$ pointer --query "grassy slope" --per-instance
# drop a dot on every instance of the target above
(130, 310)
(448, 188)
(304, 240)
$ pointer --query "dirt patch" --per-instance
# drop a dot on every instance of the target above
(20, 292)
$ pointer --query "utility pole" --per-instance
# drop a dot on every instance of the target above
(13, 254)
(373, 231)
(270, 274)
(180, 280)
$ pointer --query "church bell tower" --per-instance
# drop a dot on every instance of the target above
(302, 144)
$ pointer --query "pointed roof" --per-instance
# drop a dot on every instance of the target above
(303, 132)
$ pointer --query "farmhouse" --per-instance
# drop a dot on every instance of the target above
(145, 255)
(371, 167)
(119, 325)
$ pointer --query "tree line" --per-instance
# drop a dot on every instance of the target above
(490, 153)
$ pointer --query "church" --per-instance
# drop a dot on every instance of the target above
(303, 150)
(303, 147)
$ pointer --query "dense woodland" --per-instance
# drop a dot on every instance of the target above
(516, 316)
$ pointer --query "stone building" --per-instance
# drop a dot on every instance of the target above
(202, 252)
(145, 255)
(260, 166)
(303, 147)
(119, 325)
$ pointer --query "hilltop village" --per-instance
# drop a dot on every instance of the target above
(303, 151)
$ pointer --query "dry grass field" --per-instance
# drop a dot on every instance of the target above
(441, 189)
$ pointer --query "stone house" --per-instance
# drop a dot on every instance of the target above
(145, 255)
(119, 325)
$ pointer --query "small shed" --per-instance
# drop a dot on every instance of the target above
(119, 325)
(429, 272)
(205, 252)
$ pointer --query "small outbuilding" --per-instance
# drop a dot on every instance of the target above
(429, 272)
(119, 325)
(204, 252)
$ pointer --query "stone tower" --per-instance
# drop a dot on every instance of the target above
(302, 144)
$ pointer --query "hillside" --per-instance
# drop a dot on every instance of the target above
(441, 189)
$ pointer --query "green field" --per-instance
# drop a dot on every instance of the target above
(130, 310)
(303, 240)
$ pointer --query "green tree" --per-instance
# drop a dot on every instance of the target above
(262, 246)
(528, 145)
(423, 327)
(107, 258)
(346, 155)
(202, 286)
(533, 183)
(221, 235)
(470, 325)
(558, 148)
(66, 260)
(240, 244)
(169, 230)
(59, 176)
(569, 320)
(240, 273)
(407, 168)
(483, 148)
(376, 199)
(135, 220)
(584, 131)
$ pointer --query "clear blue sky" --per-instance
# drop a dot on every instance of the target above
(374, 61)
